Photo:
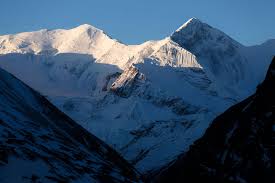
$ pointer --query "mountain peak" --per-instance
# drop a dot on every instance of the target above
(86, 27)
(194, 35)
(218, 51)
(191, 22)
(192, 27)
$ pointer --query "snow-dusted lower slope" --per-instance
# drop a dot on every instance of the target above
(39, 143)
(148, 101)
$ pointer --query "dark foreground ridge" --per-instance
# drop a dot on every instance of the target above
(239, 146)
(38, 143)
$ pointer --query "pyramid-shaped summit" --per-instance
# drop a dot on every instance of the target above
(218, 53)
(193, 22)
(194, 33)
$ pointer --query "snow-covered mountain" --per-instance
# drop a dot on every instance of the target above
(39, 143)
(239, 146)
(148, 101)
(218, 54)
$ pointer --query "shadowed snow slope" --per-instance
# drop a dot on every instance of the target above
(238, 147)
(39, 143)
(148, 101)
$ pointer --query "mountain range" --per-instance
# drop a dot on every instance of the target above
(149, 102)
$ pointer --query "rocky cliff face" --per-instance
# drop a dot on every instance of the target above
(127, 82)
(238, 147)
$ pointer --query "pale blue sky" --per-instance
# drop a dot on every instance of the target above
(134, 21)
